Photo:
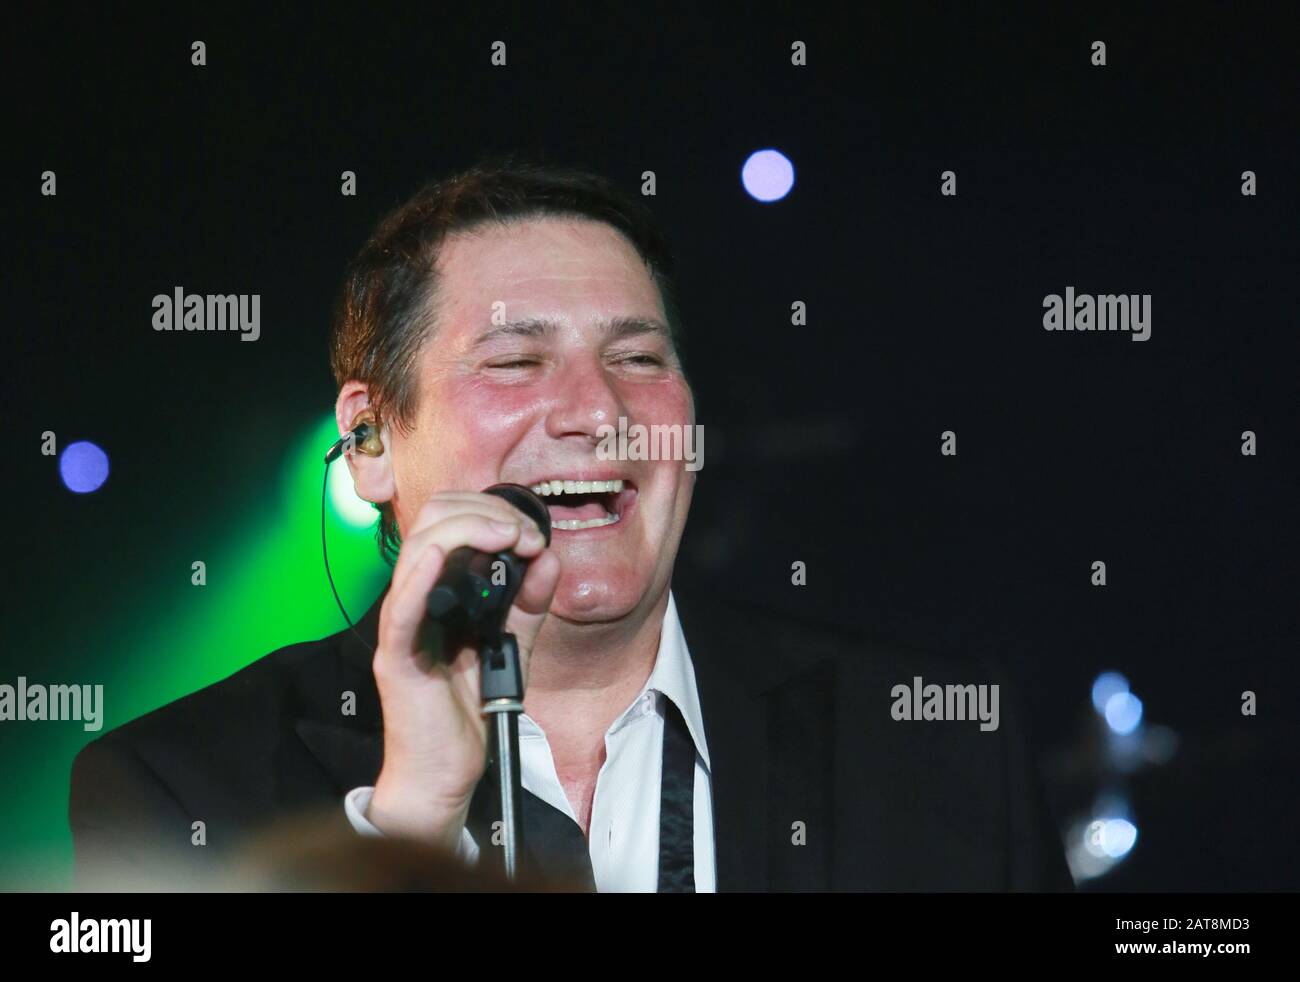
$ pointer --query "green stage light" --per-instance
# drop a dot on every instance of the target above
(161, 634)
(346, 504)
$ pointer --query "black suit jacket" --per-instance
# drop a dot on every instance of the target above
(796, 717)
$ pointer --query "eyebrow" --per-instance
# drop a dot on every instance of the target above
(614, 329)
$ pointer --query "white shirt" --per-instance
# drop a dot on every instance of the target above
(623, 837)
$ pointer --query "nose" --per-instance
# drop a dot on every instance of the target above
(585, 400)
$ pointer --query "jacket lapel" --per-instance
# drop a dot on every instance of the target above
(768, 721)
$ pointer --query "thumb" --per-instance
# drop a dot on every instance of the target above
(533, 601)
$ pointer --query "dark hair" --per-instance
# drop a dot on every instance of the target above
(387, 307)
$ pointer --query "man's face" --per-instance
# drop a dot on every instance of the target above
(518, 394)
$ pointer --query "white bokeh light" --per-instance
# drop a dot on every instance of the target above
(767, 175)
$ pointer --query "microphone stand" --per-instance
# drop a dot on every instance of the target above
(470, 595)
(503, 693)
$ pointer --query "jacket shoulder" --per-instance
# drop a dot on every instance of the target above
(246, 698)
(222, 738)
(778, 643)
(225, 755)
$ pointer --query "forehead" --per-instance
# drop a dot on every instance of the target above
(571, 270)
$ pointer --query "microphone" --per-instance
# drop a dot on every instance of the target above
(470, 601)
(475, 589)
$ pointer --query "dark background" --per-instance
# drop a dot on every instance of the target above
(822, 442)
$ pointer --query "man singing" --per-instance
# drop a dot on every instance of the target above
(493, 329)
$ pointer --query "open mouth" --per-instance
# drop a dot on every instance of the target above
(577, 505)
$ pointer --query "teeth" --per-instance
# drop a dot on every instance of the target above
(573, 524)
(545, 488)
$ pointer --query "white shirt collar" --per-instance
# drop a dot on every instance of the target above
(674, 677)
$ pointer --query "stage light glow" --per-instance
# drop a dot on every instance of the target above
(266, 588)
(1123, 712)
(343, 498)
(1094, 838)
(1160, 745)
(1106, 685)
(1099, 842)
(1117, 837)
(767, 175)
(83, 467)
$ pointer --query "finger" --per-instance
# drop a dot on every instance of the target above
(405, 604)
(534, 600)
(447, 503)
(529, 543)
(467, 680)
(403, 608)
(538, 589)
(487, 532)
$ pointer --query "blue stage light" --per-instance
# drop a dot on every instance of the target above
(83, 467)
(1106, 685)
(1123, 712)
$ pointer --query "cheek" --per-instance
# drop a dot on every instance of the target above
(491, 411)
(666, 403)
(669, 491)
(472, 432)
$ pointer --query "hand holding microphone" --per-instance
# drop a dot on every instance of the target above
(476, 589)
(435, 738)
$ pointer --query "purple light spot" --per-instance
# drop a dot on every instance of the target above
(767, 175)
(83, 467)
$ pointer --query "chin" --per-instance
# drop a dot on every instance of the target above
(589, 596)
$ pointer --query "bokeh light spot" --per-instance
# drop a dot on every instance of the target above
(83, 467)
(767, 175)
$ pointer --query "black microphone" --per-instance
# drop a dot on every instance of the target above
(475, 589)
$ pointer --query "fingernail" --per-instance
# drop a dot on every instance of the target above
(505, 528)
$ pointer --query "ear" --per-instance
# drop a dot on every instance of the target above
(372, 476)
